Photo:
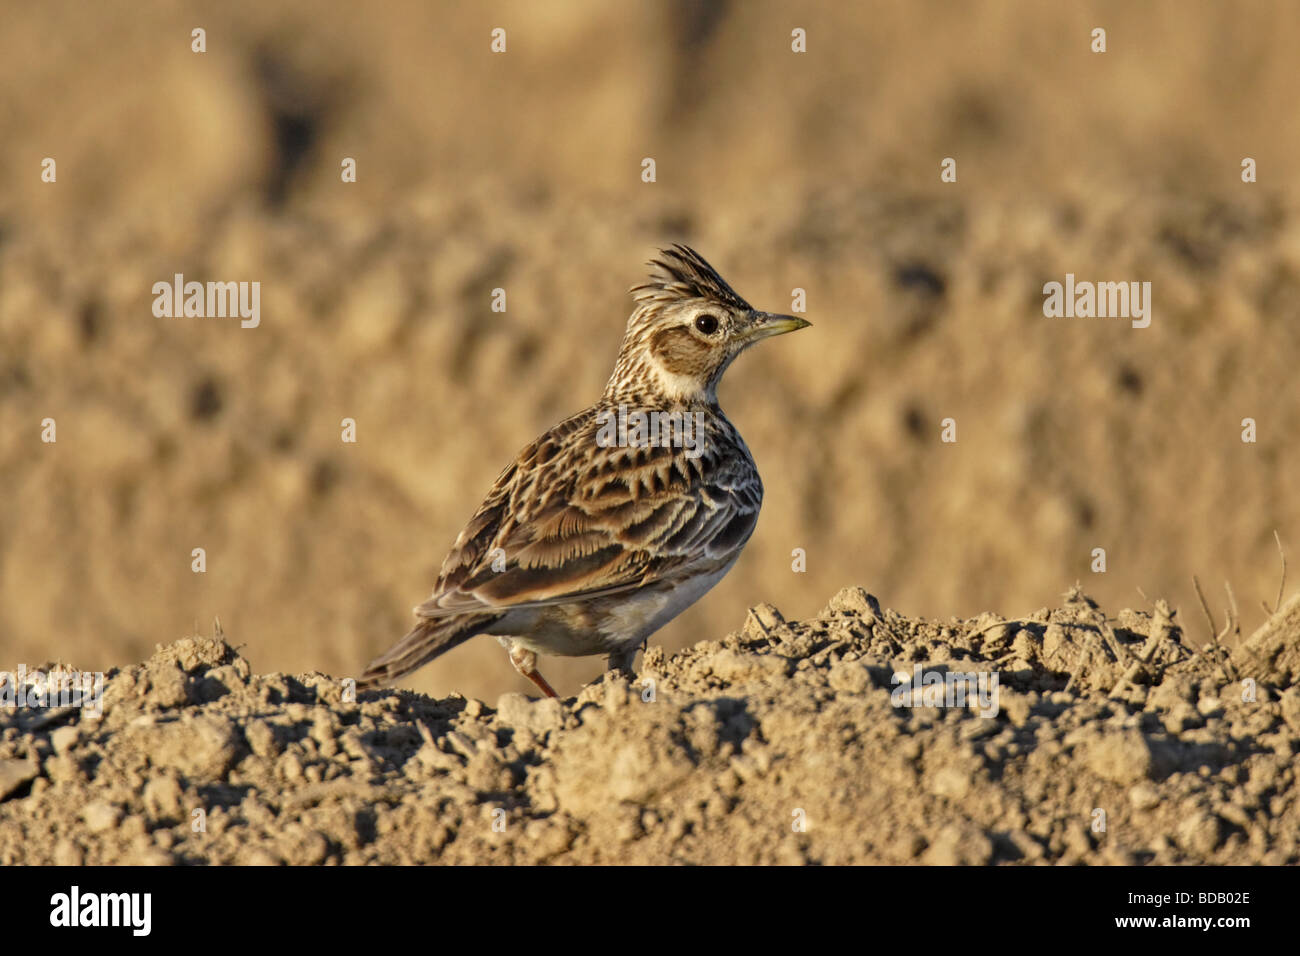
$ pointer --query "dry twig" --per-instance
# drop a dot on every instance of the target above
(1281, 585)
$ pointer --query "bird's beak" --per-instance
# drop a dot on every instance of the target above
(764, 325)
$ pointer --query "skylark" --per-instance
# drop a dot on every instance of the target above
(617, 519)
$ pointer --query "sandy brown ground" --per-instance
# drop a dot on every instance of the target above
(780, 743)
(521, 172)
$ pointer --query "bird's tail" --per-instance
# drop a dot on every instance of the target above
(430, 638)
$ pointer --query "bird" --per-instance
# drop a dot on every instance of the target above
(616, 520)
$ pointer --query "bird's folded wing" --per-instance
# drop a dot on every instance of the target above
(579, 546)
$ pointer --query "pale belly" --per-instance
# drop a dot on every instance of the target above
(603, 625)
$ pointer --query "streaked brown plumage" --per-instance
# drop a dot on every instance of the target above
(586, 547)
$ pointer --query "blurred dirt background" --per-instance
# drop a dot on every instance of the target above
(522, 171)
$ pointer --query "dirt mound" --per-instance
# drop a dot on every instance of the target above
(1083, 739)
(522, 172)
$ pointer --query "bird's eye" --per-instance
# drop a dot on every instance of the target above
(708, 324)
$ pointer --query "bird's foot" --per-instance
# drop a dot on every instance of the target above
(526, 663)
(620, 662)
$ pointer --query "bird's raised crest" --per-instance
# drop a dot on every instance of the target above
(681, 273)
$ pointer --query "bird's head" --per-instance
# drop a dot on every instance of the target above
(687, 327)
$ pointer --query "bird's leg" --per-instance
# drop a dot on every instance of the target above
(526, 663)
(622, 661)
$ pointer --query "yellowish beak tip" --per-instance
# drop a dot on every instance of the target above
(767, 324)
